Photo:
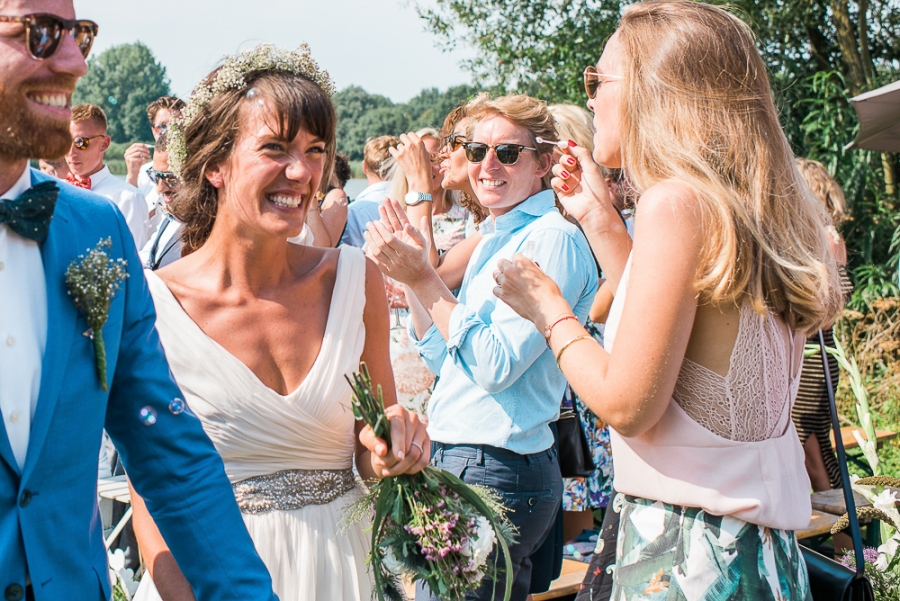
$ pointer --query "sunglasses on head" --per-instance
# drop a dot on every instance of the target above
(593, 79)
(167, 177)
(507, 154)
(81, 143)
(43, 33)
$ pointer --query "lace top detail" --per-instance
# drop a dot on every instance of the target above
(752, 401)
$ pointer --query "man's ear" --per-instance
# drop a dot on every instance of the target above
(365, 169)
(104, 143)
(215, 177)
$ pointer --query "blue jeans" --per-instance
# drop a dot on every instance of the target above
(531, 488)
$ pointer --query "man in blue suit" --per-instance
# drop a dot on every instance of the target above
(53, 402)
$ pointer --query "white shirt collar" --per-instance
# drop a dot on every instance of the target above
(22, 184)
(99, 176)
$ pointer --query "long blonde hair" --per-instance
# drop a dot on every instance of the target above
(697, 108)
(825, 188)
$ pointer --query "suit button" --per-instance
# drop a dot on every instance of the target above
(24, 500)
(15, 592)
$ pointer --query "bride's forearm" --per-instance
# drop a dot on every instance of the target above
(167, 577)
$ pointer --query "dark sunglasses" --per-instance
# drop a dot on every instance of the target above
(82, 143)
(507, 154)
(593, 79)
(454, 141)
(168, 178)
(43, 33)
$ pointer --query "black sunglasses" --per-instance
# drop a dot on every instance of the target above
(593, 79)
(44, 31)
(507, 154)
(81, 143)
(168, 178)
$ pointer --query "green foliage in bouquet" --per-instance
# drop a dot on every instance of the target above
(430, 526)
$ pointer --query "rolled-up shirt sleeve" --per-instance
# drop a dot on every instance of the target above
(494, 346)
(432, 347)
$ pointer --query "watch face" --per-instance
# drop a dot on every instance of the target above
(414, 198)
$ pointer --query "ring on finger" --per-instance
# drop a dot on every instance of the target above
(418, 446)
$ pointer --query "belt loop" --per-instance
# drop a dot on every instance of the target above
(479, 456)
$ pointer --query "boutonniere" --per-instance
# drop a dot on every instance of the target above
(93, 280)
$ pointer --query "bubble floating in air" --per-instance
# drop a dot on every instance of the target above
(176, 406)
(148, 416)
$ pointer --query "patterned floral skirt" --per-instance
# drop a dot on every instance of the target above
(671, 553)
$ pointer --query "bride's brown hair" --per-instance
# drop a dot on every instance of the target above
(296, 102)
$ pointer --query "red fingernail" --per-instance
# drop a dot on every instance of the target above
(570, 161)
(565, 188)
(572, 143)
(564, 173)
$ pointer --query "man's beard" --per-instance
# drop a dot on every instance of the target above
(24, 135)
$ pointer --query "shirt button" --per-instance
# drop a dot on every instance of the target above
(10, 341)
(14, 417)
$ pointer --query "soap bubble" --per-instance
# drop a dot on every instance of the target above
(148, 416)
(176, 406)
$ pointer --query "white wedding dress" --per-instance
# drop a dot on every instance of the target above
(258, 432)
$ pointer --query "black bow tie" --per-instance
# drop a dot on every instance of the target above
(29, 215)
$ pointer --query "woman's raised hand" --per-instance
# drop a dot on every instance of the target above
(528, 291)
(410, 446)
(398, 248)
(415, 162)
(579, 183)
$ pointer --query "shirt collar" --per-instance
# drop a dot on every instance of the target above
(98, 177)
(525, 212)
(22, 184)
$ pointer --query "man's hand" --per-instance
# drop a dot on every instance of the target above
(136, 155)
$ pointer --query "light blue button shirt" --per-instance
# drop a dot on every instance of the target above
(499, 384)
(362, 210)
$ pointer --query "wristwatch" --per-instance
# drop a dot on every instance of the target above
(413, 198)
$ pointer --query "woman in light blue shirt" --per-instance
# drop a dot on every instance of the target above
(499, 385)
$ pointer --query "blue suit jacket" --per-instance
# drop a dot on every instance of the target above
(49, 522)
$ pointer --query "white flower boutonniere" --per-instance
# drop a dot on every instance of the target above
(93, 281)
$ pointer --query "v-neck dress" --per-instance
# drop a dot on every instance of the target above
(309, 552)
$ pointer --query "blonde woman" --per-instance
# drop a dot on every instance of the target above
(811, 413)
(728, 273)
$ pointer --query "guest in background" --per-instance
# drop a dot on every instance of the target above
(378, 167)
(812, 411)
(160, 113)
(165, 244)
(88, 171)
(327, 218)
(55, 168)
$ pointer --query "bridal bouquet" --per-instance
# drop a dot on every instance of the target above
(431, 526)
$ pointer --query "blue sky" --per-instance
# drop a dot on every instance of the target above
(380, 45)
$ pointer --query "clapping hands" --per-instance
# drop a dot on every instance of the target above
(398, 248)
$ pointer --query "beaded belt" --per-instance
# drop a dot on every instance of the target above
(292, 489)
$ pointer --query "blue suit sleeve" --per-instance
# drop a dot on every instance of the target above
(173, 464)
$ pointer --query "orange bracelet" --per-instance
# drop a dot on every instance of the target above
(548, 331)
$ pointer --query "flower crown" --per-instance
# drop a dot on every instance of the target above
(231, 76)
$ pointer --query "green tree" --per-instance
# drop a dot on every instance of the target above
(123, 80)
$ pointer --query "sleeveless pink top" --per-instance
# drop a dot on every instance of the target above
(725, 444)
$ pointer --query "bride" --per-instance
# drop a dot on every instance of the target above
(259, 332)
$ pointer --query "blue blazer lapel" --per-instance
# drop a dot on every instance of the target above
(61, 322)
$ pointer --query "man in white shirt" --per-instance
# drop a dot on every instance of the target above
(85, 159)
(165, 244)
(378, 167)
(160, 112)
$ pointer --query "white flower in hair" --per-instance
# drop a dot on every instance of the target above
(232, 76)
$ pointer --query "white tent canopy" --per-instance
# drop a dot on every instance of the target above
(879, 119)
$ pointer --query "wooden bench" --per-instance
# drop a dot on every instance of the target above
(881, 436)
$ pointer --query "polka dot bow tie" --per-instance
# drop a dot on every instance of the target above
(29, 215)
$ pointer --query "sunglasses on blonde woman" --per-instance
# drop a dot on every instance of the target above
(507, 154)
(593, 79)
(43, 33)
